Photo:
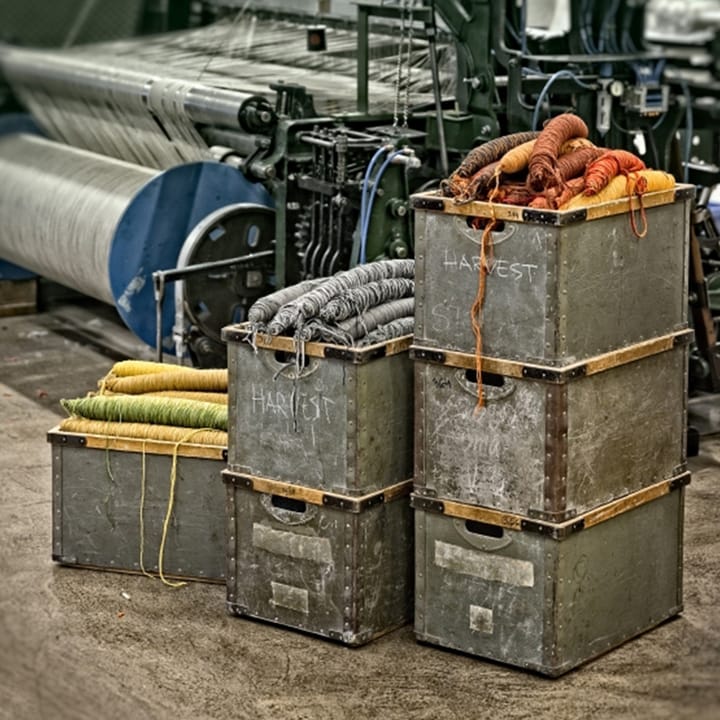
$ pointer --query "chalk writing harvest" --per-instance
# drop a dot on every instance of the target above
(517, 271)
(309, 407)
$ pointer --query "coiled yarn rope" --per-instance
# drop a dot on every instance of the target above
(358, 300)
(153, 410)
(295, 313)
(205, 380)
(125, 368)
(211, 397)
(141, 431)
(388, 331)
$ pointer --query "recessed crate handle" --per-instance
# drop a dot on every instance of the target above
(495, 387)
(286, 503)
(482, 535)
(288, 510)
(281, 362)
(503, 231)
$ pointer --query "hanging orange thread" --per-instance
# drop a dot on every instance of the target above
(486, 256)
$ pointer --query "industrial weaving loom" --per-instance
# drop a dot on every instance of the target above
(181, 176)
(216, 159)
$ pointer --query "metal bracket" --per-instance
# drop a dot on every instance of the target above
(244, 481)
(680, 481)
(435, 356)
(68, 440)
(554, 376)
(556, 532)
(426, 203)
(356, 357)
(546, 217)
(427, 504)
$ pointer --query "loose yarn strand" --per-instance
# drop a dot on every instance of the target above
(143, 488)
(170, 505)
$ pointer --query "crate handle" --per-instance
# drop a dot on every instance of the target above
(287, 510)
(483, 536)
(288, 503)
(495, 387)
(505, 232)
(280, 362)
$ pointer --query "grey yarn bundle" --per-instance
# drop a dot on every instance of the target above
(356, 307)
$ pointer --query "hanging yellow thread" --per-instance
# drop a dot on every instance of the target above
(168, 514)
(143, 483)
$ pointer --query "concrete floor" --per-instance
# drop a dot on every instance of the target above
(72, 645)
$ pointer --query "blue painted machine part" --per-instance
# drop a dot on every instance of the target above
(152, 230)
(19, 123)
(10, 271)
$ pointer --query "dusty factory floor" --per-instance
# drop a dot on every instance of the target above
(81, 644)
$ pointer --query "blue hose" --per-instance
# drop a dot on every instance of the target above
(365, 218)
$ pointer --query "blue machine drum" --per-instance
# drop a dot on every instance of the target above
(152, 230)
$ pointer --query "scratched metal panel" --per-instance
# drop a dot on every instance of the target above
(345, 576)
(618, 579)
(542, 604)
(96, 506)
(554, 295)
(350, 430)
(625, 430)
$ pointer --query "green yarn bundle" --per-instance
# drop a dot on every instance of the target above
(149, 409)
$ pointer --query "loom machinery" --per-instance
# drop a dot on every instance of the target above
(179, 177)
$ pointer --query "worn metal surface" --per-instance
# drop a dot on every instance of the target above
(550, 450)
(339, 426)
(96, 510)
(555, 294)
(343, 575)
(525, 599)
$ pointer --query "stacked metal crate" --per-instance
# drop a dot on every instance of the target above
(116, 506)
(320, 463)
(549, 521)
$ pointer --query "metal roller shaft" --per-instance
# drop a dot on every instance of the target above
(60, 208)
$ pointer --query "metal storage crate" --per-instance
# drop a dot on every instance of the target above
(337, 566)
(562, 286)
(97, 484)
(344, 423)
(548, 597)
(551, 443)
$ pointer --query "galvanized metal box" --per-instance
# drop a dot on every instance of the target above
(562, 286)
(551, 443)
(337, 566)
(111, 498)
(548, 597)
(341, 420)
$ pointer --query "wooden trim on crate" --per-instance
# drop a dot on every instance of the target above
(311, 348)
(434, 201)
(629, 502)
(555, 531)
(136, 445)
(315, 496)
(451, 508)
(553, 374)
